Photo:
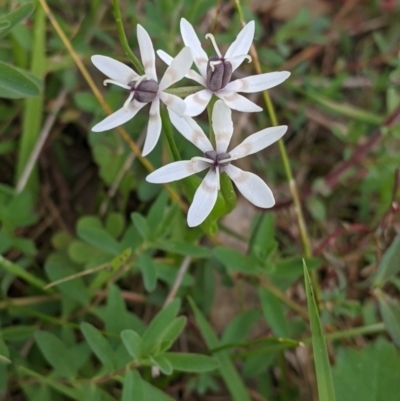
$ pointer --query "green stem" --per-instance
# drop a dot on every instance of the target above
(288, 170)
(123, 39)
(167, 127)
(210, 107)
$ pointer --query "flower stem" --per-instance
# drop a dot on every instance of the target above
(167, 128)
(124, 40)
(286, 163)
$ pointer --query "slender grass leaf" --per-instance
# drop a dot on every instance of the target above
(99, 345)
(227, 370)
(133, 387)
(33, 110)
(8, 21)
(389, 265)
(196, 363)
(133, 343)
(390, 311)
(56, 353)
(322, 367)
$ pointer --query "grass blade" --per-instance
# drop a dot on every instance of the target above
(322, 367)
(227, 369)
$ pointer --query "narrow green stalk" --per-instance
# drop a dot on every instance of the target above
(124, 40)
(169, 134)
(210, 107)
(33, 108)
(286, 163)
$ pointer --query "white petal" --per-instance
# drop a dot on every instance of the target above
(174, 103)
(258, 83)
(222, 125)
(192, 74)
(258, 141)
(177, 69)
(191, 131)
(196, 103)
(165, 57)
(252, 187)
(237, 102)
(241, 46)
(153, 128)
(114, 69)
(120, 117)
(204, 199)
(147, 52)
(191, 40)
(176, 171)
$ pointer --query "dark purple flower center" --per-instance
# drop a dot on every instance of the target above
(218, 158)
(146, 91)
(219, 73)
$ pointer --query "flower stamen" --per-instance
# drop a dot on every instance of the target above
(111, 81)
(203, 159)
(127, 101)
(213, 64)
(212, 38)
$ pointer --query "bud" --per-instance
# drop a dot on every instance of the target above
(218, 74)
(145, 91)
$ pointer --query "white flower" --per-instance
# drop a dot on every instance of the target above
(218, 160)
(144, 89)
(216, 72)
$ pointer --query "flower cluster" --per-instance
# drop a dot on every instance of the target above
(214, 74)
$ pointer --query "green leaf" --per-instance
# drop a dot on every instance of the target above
(10, 20)
(239, 326)
(141, 224)
(274, 313)
(57, 267)
(370, 374)
(183, 248)
(56, 353)
(99, 345)
(196, 363)
(235, 261)
(149, 272)
(390, 311)
(262, 240)
(163, 363)
(154, 332)
(133, 343)
(227, 370)
(20, 272)
(389, 265)
(115, 224)
(133, 387)
(322, 367)
(172, 332)
(157, 210)
(97, 236)
(16, 83)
